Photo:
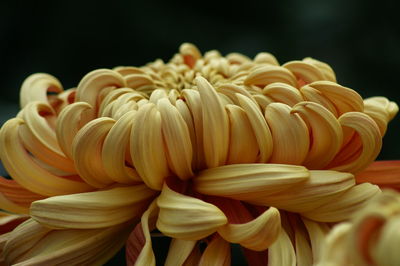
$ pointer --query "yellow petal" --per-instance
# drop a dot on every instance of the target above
(260, 127)
(266, 58)
(304, 71)
(177, 139)
(186, 217)
(93, 82)
(113, 151)
(268, 74)
(326, 70)
(218, 252)
(319, 188)
(97, 209)
(386, 251)
(140, 82)
(381, 110)
(26, 172)
(344, 207)
(111, 97)
(314, 95)
(190, 53)
(303, 247)
(86, 151)
(215, 125)
(289, 133)
(139, 250)
(230, 90)
(146, 146)
(249, 181)
(371, 140)
(243, 146)
(326, 132)
(69, 122)
(317, 233)
(257, 234)
(179, 251)
(282, 251)
(36, 87)
(283, 93)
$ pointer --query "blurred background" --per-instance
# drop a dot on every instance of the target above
(359, 39)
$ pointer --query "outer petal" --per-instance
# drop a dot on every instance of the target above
(304, 71)
(26, 172)
(317, 233)
(385, 174)
(218, 252)
(9, 221)
(282, 251)
(269, 74)
(96, 209)
(179, 251)
(186, 217)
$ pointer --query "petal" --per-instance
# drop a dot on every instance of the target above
(289, 132)
(260, 127)
(344, 207)
(186, 217)
(302, 244)
(139, 250)
(325, 131)
(190, 54)
(179, 251)
(146, 147)
(249, 181)
(326, 70)
(282, 251)
(386, 250)
(283, 93)
(140, 82)
(218, 252)
(114, 149)
(177, 140)
(230, 90)
(36, 86)
(9, 221)
(317, 233)
(32, 244)
(26, 172)
(268, 74)
(215, 125)
(96, 209)
(314, 95)
(266, 58)
(243, 146)
(86, 151)
(110, 98)
(371, 140)
(381, 173)
(304, 71)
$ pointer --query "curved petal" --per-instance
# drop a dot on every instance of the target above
(179, 251)
(385, 174)
(217, 252)
(304, 71)
(138, 246)
(282, 251)
(26, 172)
(317, 233)
(249, 181)
(9, 221)
(186, 217)
(283, 93)
(326, 70)
(96, 209)
(268, 74)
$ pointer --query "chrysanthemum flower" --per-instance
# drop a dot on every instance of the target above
(206, 149)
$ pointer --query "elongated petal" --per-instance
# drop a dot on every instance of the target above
(113, 151)
(93, 82)
(289, 132)
(344, 207)
(230, 90)
(243, 146)
(215, 125)
(86, 151)
(317, 233)
(96, 209)
(385, 174)
(26, 172)
(111, 97)
(260, 127)
(9, 221)
(386, 251)
(257, 234)
(371, 140)
(177, 139)
(321, 187)
(190, 54)
(304, 71)
(326, 132)
(269, 74)
(218, 252)
(34, 244)
(146, 146)
(326, 70)
(302, 245)
(249, 181)
(283, 93)
(69, 122)
(186, 217)
(138, 246)
(36, 86)
(282, 251)
(314, 95)
(179, 251)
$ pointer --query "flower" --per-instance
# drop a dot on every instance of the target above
(209, 150)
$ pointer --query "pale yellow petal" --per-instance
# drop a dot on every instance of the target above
(386, 252)
(20, 165)
(326, 70)
(317, 233)
(97, 209)
(179, 251)
(268, 74)
(111, 97)
(302, 246)
(185, 217)
(304, 71)
(146, 147)
(257, 234)
(289, 133)
(215, 125)
(260, 127)
(140, 82)
(314, 95)
(325, 131)
(157, 95)
(266, 58)
(283, 93)
(217, 253)
(282, 251)
(230, 90)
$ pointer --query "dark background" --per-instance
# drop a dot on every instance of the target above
(359, 39)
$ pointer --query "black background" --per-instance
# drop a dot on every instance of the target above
(359, 39)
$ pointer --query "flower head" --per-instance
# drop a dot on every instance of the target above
(205, 149)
